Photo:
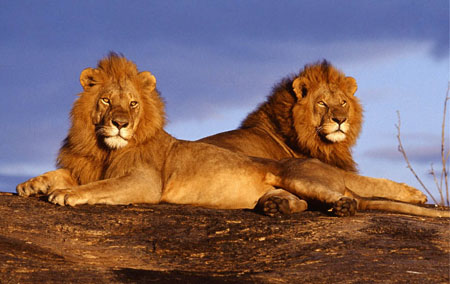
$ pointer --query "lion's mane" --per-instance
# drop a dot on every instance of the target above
(277, 115)
(81, 152)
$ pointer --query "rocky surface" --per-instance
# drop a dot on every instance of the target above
(41, 242)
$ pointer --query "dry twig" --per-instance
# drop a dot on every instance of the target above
(402, 150)
(438, 185)
(444, 157)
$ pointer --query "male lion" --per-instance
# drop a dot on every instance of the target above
(315, 115)
(117, 152)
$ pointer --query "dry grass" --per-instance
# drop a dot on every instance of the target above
(440, 177)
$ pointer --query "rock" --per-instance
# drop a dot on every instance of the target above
(42, 242)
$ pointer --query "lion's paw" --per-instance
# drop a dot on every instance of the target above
(36, 185)
(66, 197)
(344, 207)
(276, 205)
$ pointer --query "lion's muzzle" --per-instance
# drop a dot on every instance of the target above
(335, 131)
(116, 131)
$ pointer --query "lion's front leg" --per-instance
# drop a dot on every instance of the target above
(46, 182)
(139, 187)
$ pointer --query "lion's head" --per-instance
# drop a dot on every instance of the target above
(316, 113)
(118, 108)
(118, 104)
(326, 105)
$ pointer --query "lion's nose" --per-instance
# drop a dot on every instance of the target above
(339, 120)
(120, 122)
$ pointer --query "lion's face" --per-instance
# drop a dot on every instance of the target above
(117, 114)
(121, 105)
(328, 109)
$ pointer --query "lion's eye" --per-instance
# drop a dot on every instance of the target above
(322, 104)
(133, 104)
(106, 101)
(344, 103)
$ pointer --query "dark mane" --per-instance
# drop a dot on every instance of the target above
(277, 115)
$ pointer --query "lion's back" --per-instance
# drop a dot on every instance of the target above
(250, 142)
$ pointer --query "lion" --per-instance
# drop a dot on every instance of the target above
(117, 152)
(310, 122)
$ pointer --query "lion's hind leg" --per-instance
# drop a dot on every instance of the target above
(279, 201)
(379, 187)
(313, 189)
(400, 207)
(344, 207)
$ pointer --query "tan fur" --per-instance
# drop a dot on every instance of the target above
(117, 152)
(292, 124)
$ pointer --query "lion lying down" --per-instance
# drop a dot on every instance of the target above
(315, 114)
(117, 152)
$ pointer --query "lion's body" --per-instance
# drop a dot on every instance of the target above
(217, 181)
(289, 123)
(117, 152)
(291, 126)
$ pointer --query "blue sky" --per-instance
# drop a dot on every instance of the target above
(216, 60)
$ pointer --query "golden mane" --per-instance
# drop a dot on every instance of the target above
(324, 72)
(117, 152)
(81, 151)
(277, 115)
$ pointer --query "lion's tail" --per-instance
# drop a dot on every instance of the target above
(399, 207)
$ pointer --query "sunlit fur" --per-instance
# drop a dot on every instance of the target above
(86, 154)
(293, 113)
(115, 142)
(154, 167)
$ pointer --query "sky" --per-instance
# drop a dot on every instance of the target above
(214, 61)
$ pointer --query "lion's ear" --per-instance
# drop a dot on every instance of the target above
(89, 77)
(351, 85)
(148, 81)
(300, 86)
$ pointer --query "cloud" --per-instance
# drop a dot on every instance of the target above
(209, 57)
(24, 169)
(69, 23)
(214, 50)
(418, 154)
